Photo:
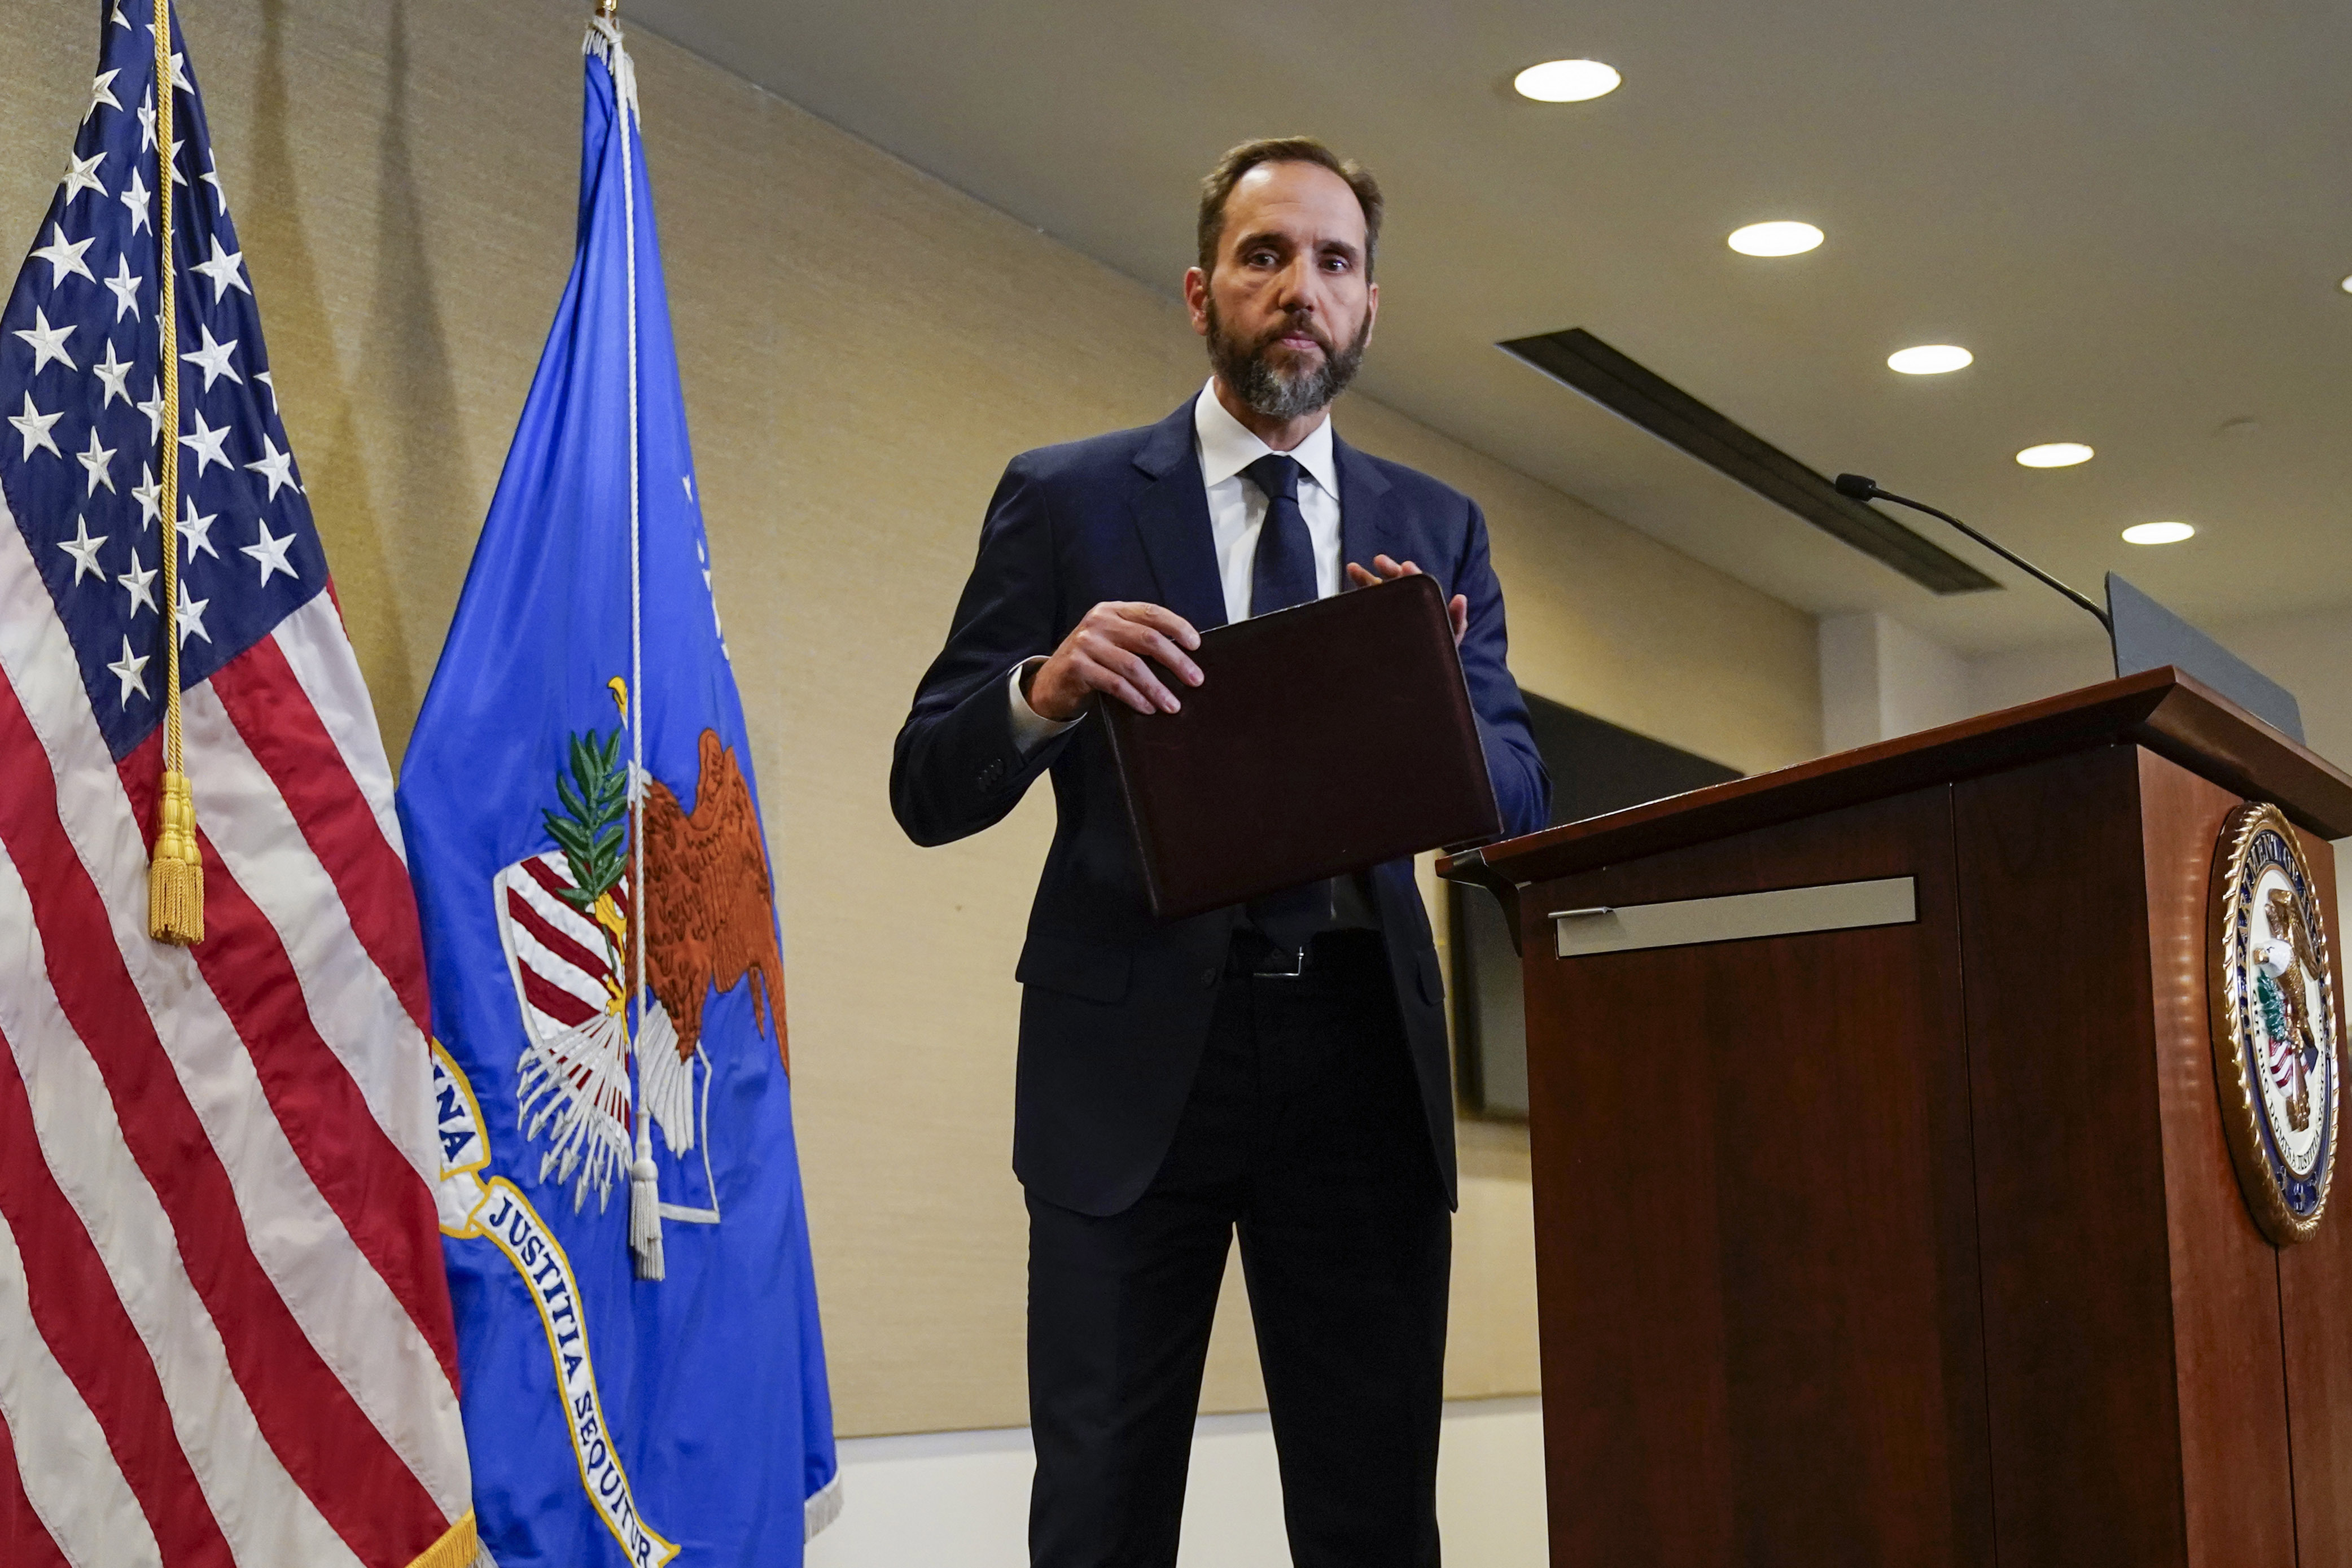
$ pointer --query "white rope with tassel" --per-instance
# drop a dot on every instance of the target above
(644, 1176)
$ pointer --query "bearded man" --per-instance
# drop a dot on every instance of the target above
(1277, 1070)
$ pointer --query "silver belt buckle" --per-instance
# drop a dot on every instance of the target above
(1298, 967)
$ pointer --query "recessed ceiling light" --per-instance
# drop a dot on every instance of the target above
(1780, 239)
(1930, 359)
(2056, 454)
(1567, 81)
(2158, 533)
(2347, 285)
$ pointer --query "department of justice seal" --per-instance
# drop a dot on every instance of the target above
(2274, 1046)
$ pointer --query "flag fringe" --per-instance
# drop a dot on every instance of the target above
(820, 1510)
(460, 1547)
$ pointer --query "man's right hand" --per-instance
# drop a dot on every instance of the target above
(1112, 650)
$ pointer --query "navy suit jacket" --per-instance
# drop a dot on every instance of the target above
(1115, 1005)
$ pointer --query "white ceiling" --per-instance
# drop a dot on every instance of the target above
(2135, 213)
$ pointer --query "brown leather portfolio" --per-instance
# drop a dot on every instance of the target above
(1322, 740)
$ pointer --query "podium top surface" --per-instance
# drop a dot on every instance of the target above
(2169, 713)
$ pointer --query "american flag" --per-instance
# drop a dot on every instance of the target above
(225, 1332)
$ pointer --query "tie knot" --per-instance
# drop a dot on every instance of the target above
(1275, 476)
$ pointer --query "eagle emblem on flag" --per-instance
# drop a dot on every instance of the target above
(567, 922)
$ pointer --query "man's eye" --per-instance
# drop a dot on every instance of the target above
(1262, 259)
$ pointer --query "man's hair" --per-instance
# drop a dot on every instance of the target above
(1219, 188)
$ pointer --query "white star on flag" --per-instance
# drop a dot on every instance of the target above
(81, 174)
(179, 66)
(147, 123)
(135, 584)
(270, 552)
(102, 91)
(196, 533)
(63, 257)
(134, 196)
(98, 462)
(149, 494)
(125, 289)
(153, 408)
(191, 615)
(84, 550)
(49, 343)
(222, 269)
(126, 670)
(114, 374)
(263, 376)
(34, 426)
(206, 443)
(277, 467)
(213, 359)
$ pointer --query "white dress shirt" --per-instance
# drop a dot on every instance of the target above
(1237, 507)
(1225, 446)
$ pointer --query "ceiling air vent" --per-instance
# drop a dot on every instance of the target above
(1618, 385)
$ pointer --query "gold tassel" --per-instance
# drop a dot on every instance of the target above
(175, 878)
(175, 882)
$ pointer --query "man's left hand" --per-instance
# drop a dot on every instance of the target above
(1458, 609)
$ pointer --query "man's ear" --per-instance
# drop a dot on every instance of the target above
(1196, 299)
(1371, 310)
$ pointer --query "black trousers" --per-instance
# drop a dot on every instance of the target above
(1305, 1133)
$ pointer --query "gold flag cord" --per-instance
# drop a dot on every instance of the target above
(175, 881)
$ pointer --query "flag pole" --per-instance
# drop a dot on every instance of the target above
(175, 881)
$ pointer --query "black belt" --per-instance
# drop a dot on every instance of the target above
(1353, 948)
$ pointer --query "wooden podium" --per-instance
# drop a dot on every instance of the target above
(1876, 1233)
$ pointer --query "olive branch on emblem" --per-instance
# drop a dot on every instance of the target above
(592, 831)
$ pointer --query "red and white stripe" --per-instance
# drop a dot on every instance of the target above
(562, 966)
(225, 1333)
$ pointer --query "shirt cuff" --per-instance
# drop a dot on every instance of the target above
(1031, 729)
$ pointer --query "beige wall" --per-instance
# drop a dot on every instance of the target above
(863, 349)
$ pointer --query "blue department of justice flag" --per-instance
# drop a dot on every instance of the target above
(644, 1379)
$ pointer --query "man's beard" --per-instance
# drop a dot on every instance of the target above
(1249, 370)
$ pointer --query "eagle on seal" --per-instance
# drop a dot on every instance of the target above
(2281, 988)
(709, 914)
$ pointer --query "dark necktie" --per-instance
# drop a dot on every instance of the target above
(1284, 571)
(1283, 575)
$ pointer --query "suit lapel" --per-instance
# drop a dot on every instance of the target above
(1369, 523)
(1172, 514)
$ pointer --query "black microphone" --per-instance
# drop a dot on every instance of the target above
(1864, 488)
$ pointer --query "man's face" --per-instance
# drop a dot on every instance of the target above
(1289, 308)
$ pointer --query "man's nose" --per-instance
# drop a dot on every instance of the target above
(1294, 290)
